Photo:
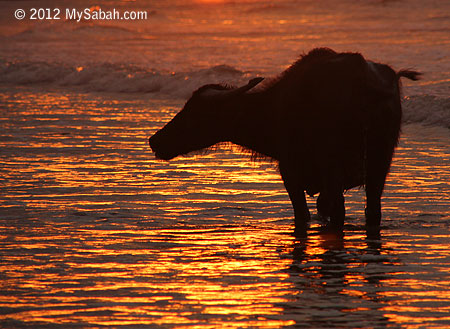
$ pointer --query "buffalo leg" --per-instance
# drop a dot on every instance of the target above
(335, 202)
(331, 200)
(337, 215)
(297, 196)
(323, 206)
(333, 208)
(374, 189)
(378, 163)
(382, 138)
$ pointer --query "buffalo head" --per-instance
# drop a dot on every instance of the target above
(204, 121)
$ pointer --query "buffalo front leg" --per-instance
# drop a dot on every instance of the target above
(297, 196)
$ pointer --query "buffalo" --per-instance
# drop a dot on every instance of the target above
(331, 121)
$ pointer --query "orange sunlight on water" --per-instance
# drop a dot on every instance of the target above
(97, 232)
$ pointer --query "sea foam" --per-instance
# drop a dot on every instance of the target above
(117, 78)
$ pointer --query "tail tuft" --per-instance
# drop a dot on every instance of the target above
(410, 74)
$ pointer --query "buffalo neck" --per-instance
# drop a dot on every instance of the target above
(254, 125)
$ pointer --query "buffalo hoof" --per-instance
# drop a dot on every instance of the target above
(373, 232)
(373, 217)
(301, 231)
(336, 231)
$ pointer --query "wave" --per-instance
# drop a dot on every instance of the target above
(120, 78)
(117, 78)
(73, 31)
(427, 110)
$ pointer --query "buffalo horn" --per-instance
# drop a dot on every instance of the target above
(233, 92)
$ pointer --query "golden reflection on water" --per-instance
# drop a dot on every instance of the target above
(94, 230)
(255, 282)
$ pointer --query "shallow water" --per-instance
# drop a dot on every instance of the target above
(95, 232)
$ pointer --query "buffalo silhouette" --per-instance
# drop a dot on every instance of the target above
(331, 120)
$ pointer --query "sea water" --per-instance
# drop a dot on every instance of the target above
(94, 232)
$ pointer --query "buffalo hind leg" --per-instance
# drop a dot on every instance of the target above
(297, 196)
(374, 190)
(335, 205)
(331, 199)
(378, 163)
(333, 208)
(337, 215)
(323, 206)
